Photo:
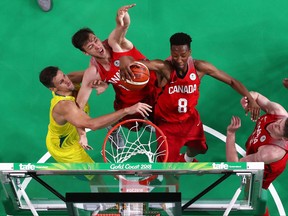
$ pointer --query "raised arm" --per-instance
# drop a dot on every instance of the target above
(231, 153)
(117, 39)
(204, 68)
(84, 93)
(68, 111)
(265, 104)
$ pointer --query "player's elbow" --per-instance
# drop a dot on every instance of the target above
(93, 126)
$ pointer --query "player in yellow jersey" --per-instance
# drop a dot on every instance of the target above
(62, 138)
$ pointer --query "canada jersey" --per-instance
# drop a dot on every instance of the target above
(261, 137)
(176, 101)
(122, 94)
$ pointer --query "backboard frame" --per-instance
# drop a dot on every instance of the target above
(10, 172)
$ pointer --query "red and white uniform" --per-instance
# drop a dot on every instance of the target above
(124, 97)
(261, 137)
(176, 115)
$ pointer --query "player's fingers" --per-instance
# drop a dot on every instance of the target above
(143, 112)
(131, 5)
(148, 109)
(238, 121)
(146, 105)
(89, 147)
(246, 111)
(130, 73)
(126, 74)
(255, 114)
(235, 120)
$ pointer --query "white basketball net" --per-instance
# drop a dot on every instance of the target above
(136, 141)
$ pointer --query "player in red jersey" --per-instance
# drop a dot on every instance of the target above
(177, 96)
(104, 67)
(268, 142)
(105, 63)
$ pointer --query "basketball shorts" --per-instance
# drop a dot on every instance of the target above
(188, 133)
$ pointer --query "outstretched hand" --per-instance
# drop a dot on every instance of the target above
(252, 107)
(234, 125)
(84, 142)
(121, 14)
(125, 71)
(99, 86)
(141, 108)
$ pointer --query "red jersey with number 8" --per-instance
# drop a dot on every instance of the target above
(177, 100)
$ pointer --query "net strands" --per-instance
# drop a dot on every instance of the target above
(138, 140)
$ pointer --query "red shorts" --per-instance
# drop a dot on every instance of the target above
(121, 104)
(186, 133)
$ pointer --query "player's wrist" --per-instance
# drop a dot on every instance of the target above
(230, 132)
(126, 110)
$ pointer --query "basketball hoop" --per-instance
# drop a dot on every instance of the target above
(138, 140)
(140, 143)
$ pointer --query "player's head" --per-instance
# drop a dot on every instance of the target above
(279, 128)
(180, 39)
(46, 76)
(86, 41)
(81, 37)
(54, 79)
(180, 49)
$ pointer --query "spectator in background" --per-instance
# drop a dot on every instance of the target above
(45, 5)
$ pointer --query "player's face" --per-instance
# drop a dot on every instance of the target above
(180, 55)
(277, 128)
(62, 83)
(94, 47)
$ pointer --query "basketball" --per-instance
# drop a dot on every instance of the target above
(142, 76)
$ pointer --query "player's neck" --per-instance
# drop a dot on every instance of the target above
(62, 93)
(104, 61)
(181, 73)
(270, 131)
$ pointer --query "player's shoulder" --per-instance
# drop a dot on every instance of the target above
(63, 107)
(270, 153)
(277, 109)
(201, 63)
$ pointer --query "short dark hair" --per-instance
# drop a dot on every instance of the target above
(180, 39)
(81, 37)
(286, 129)
(46, 76)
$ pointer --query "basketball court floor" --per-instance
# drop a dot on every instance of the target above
(246, 39)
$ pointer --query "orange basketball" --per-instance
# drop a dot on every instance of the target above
(142, 76)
